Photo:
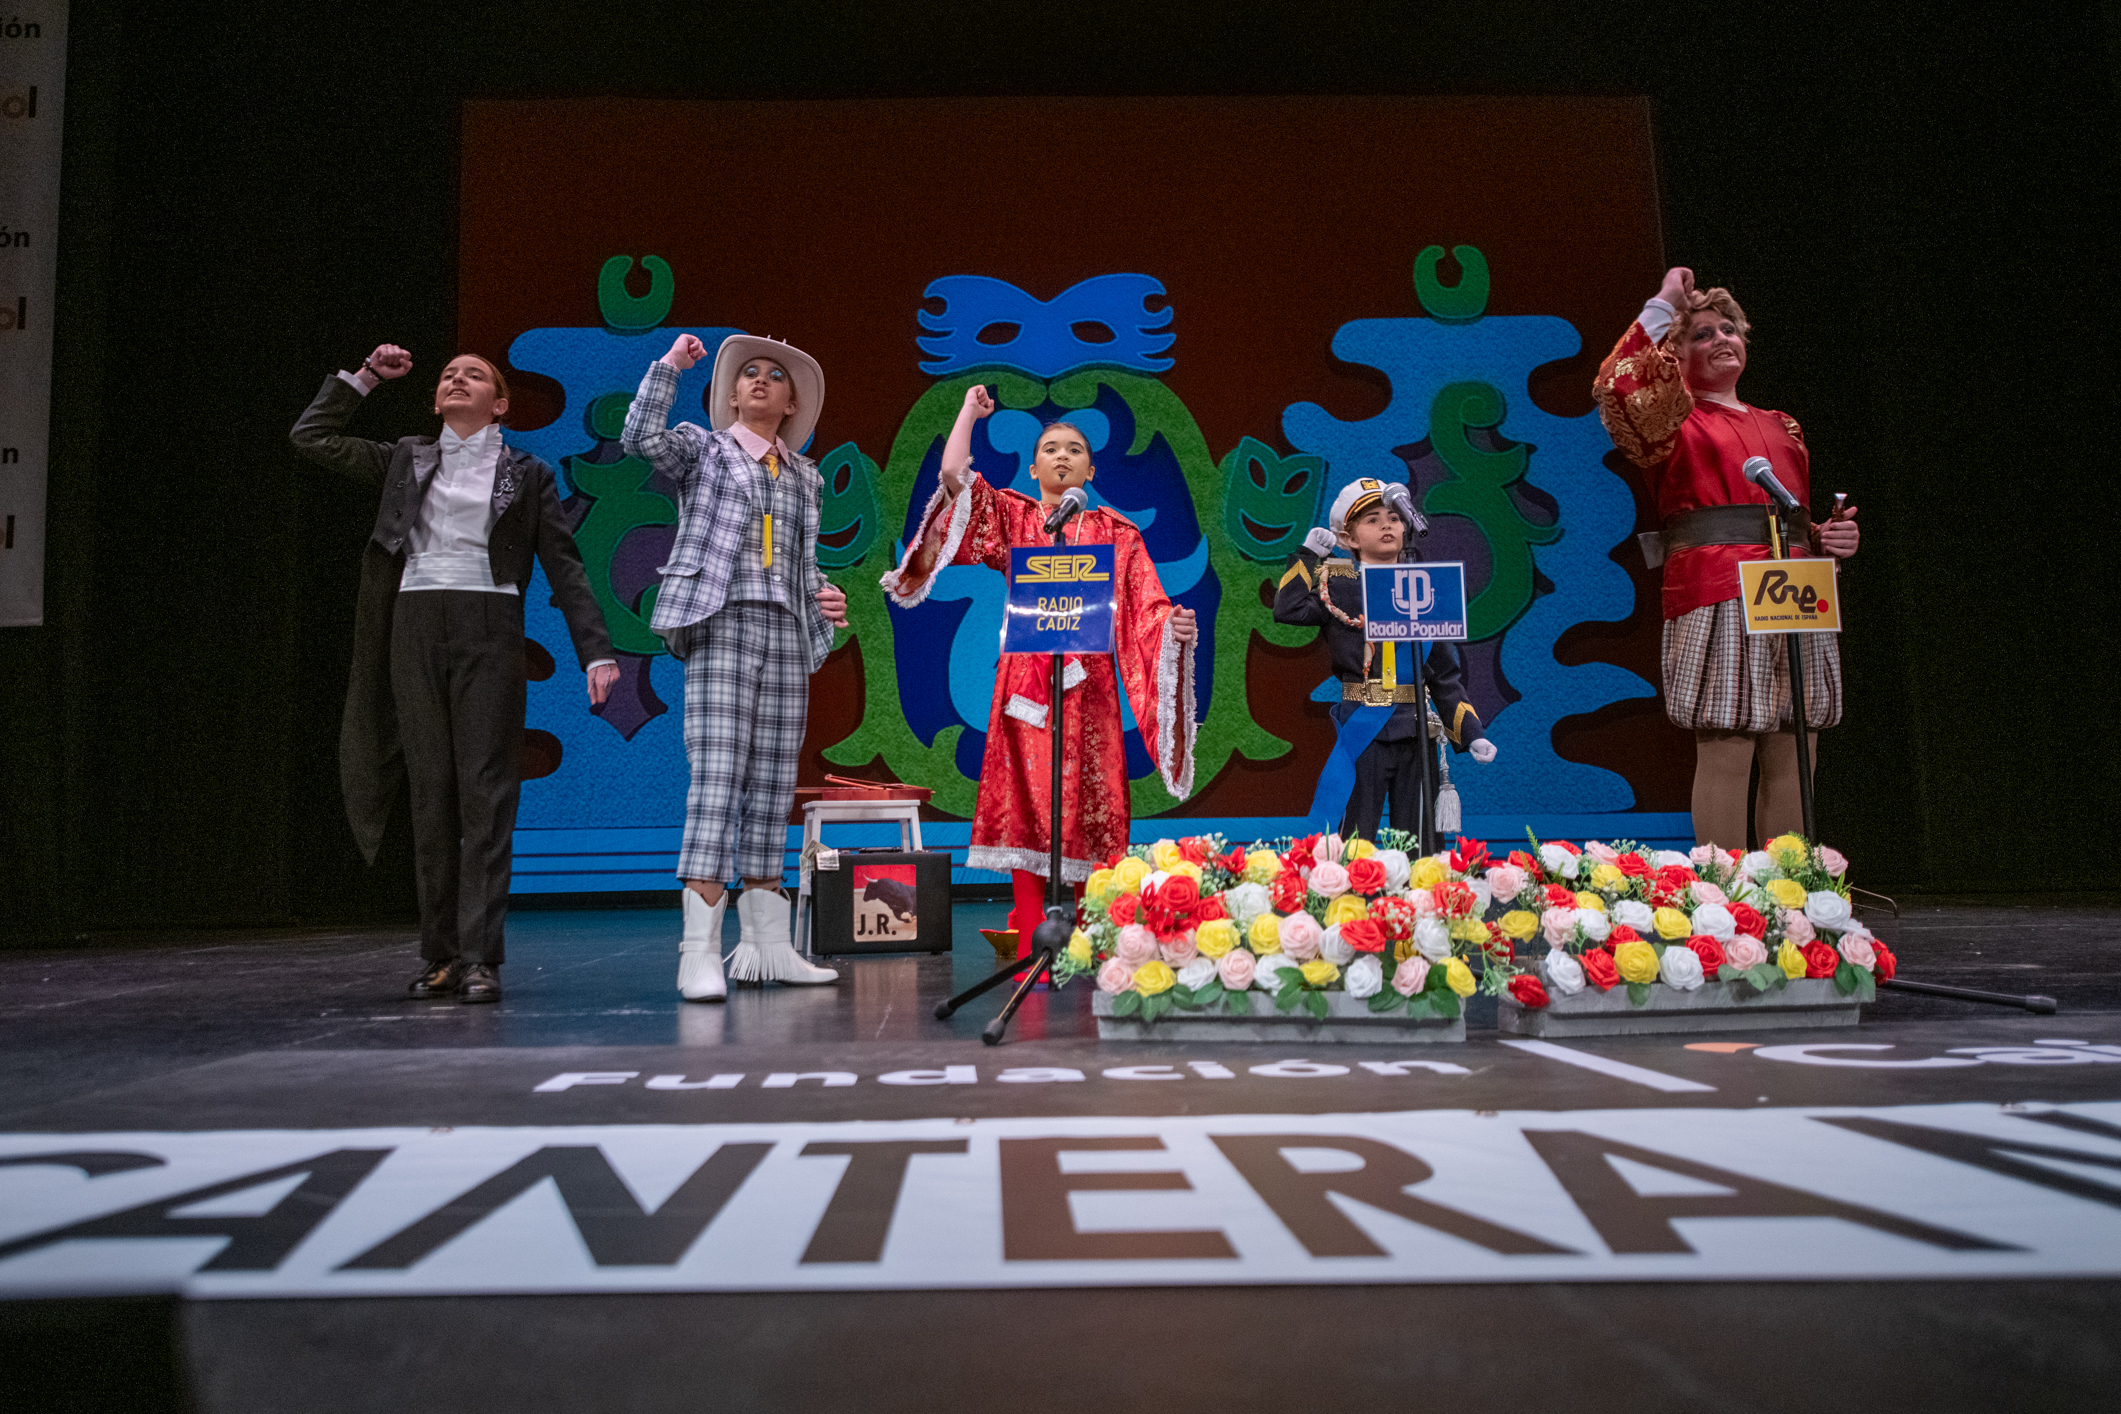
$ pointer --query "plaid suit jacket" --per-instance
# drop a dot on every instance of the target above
(715, 513)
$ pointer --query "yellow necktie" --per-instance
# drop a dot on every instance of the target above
(1389, 672)
(772, 463)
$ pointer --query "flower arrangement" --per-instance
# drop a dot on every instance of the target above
(1622, 915)
(1196, 924)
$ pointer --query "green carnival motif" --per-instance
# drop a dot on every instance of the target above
(1478, 490)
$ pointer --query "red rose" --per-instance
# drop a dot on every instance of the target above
(1286, 893)
(1499, 944)
(1820, 960)
(1528, 992)
(1474, 854)
(1396, 916)
(1124, 909)
(1300, 855)
(1194, 850)
(1621, 933)
(1749, 920)
(1233, 862)
(1366, 876)
(1177, 894)
(1598, 966)
(1674, 877)
(1524, 861)
(1564, 844)
(1363, 935)
(1886, 965)
(1634, 866)
(1709, 951)
(1455, 899)
(1209, 909)
(1559, 897)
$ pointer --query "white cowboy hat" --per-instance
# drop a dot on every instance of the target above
(738, 350)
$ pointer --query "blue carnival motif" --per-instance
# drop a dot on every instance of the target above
(1045, 344)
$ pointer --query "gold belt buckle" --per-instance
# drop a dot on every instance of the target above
(1376, 694)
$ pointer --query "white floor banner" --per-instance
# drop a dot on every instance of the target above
(1930, 1191)
(32, 86)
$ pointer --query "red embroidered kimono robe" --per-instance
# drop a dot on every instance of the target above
(1010, 828)
(1690, 453)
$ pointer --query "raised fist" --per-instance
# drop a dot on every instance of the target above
(978, 401)
(389, 361)
(687, 351)
(1678, 285)
(1320, 542)
(1184, 626)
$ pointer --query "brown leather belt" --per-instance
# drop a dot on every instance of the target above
(1716, 525)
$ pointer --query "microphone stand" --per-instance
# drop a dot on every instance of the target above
(1053, 933)
(1782, 522)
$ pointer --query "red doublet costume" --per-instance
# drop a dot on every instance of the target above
(1010, 826)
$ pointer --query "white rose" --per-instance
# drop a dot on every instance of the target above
(1636, 914)
(1197, 973)
(1153, 878)
(1432, 939)
(1827, 909)
(1267, 977)
(1335, 949)
(1559, 861)
(1244, 903)
(1715, 921)
(1596, 926)
(1483, 895)
(1757, 865)
(1365, 977)
(1398, 867)
(1564, 974)
(1681, 968)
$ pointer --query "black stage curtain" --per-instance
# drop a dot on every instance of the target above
(1913, 210)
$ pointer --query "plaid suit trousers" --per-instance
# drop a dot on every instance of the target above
(747, 700)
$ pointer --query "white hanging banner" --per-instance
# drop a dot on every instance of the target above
(32, 88)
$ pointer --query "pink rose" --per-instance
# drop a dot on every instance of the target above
(1706, 892)
(1744, 953)
(1603, 853)
(1424, 903)
(1114, 977)
(1136, 946)
(1411, 975)
(1559, 925)
(1329, 880)
(1856, 947)
(1833, 861)
(1796, 927)
(1505, 882)
(1301, 935)
(1180, 950)
(1700, 855)
(1235, 968)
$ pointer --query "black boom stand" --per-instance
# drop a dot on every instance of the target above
(1053, 934)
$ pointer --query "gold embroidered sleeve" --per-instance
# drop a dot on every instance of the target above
(1640, 398)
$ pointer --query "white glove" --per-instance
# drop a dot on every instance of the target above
(1321, 543)
(1482, 750)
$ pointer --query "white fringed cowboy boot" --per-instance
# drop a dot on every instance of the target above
(765, 950)
(700, 949)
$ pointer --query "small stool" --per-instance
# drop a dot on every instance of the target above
(819, 813)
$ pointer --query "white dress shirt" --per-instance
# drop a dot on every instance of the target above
(447, 546)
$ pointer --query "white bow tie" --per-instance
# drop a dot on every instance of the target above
(477, 443)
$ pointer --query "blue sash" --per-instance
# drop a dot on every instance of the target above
(1337, 781)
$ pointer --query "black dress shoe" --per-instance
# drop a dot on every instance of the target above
(441, 979)
(481, 984)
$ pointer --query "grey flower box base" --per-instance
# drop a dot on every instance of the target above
(1714, 1007)
(1349, 1022)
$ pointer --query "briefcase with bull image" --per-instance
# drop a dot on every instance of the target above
(883, 900)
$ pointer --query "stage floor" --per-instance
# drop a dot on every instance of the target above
(596, 1196)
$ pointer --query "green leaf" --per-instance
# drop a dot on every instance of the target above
(1183, 996)
(1845, 977)
(1421, 1006)
(1316, 1004)
(1127, 1004)
(1446, 1005)
(1208, 994)
(1728, 973)
(1764, 976)
(1387, 1001)
(1638, 994)
(1156, 1006)
(1287, 998)
(1866, 985)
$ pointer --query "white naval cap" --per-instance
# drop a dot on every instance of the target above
(1354, 498)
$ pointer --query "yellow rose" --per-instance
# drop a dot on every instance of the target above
(1166, 855)
(1469, 930)
(1361, 849)
(1153, 977)
(1587, 899)
(1520, 923)
(1459, 977)
(1129, 874)
(1102, 888)
(1261, 865)
(1320, 973)
(1608, 878)
(1402, 950)
(1671, 925)
(1188, 869)
(1787, 892)
(1215, 937)
(1791, 961)
(1079, 948)
(1637, 961)
(1346, 909)
(1428, 873)
(1265, 934)
(1789, 850)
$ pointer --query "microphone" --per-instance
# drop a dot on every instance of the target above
(1073, 502)
(1398, 499)
(1761, 472)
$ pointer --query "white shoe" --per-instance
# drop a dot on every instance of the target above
(765, 950)
(700, 949)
